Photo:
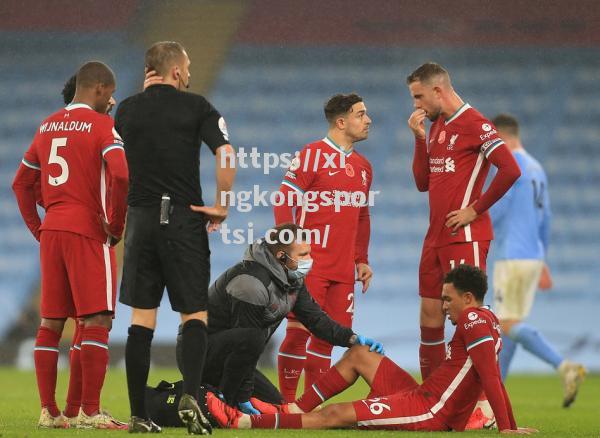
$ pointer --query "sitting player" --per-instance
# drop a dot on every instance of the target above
(443, 402)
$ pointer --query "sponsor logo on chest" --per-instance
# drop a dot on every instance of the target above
(441, 165)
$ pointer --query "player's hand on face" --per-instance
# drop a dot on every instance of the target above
(545, 279)
(215, 214)
(152, 78)
(416, 123)
(460, 218)
(364, 275)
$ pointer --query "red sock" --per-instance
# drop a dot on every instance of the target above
(330, 384)
(45, 356)
(290, 361)
(276, 421)
(318, 361)
(94, 360)
(432, 350)
(75, 382)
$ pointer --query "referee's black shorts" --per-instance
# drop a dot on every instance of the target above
(174, 255)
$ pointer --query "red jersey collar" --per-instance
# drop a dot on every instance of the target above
(336, 147)
(465, 106)
(73, 106)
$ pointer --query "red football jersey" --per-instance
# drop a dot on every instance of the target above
(458, 151)
(323, 172)
(68, 149)
(454, 387)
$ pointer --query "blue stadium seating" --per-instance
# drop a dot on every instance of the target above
(550, 90)
(272, 99)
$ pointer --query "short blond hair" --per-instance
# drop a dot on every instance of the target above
(426, 72)
(163, 55)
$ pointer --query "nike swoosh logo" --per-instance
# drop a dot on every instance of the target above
(333, 173)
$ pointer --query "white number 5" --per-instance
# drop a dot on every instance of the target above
(57, 159)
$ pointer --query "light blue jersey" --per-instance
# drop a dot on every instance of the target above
(521, 218)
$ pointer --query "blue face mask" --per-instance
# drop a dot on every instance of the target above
(302, 270)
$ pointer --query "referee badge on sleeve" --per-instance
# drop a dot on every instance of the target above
(223, 128)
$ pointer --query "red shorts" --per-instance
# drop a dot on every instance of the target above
(437, 262)
(336, 299)
(395, 403)
(78, 275)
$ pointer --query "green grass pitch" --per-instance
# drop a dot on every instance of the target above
(536, 401)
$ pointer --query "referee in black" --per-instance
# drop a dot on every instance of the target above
(166, 242)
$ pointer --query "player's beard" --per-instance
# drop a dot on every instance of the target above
(433, 116)
(362, 135)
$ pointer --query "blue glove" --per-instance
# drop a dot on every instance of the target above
(247, 408)
(375, 346)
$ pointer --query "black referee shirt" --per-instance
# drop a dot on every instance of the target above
(162, 129)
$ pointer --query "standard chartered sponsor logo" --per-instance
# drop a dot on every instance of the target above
(440, 165)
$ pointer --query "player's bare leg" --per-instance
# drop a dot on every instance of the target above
(194, 344)
(332, 416)
(46, 359)
(432, 349)
(357, 362)
(337, 415)
(94, 362)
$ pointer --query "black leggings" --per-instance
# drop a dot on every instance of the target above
(230, 365)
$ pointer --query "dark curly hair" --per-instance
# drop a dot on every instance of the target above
(68, 91)
(467, 278)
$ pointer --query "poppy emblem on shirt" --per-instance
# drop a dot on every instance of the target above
(349, 170)
(442, 137)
